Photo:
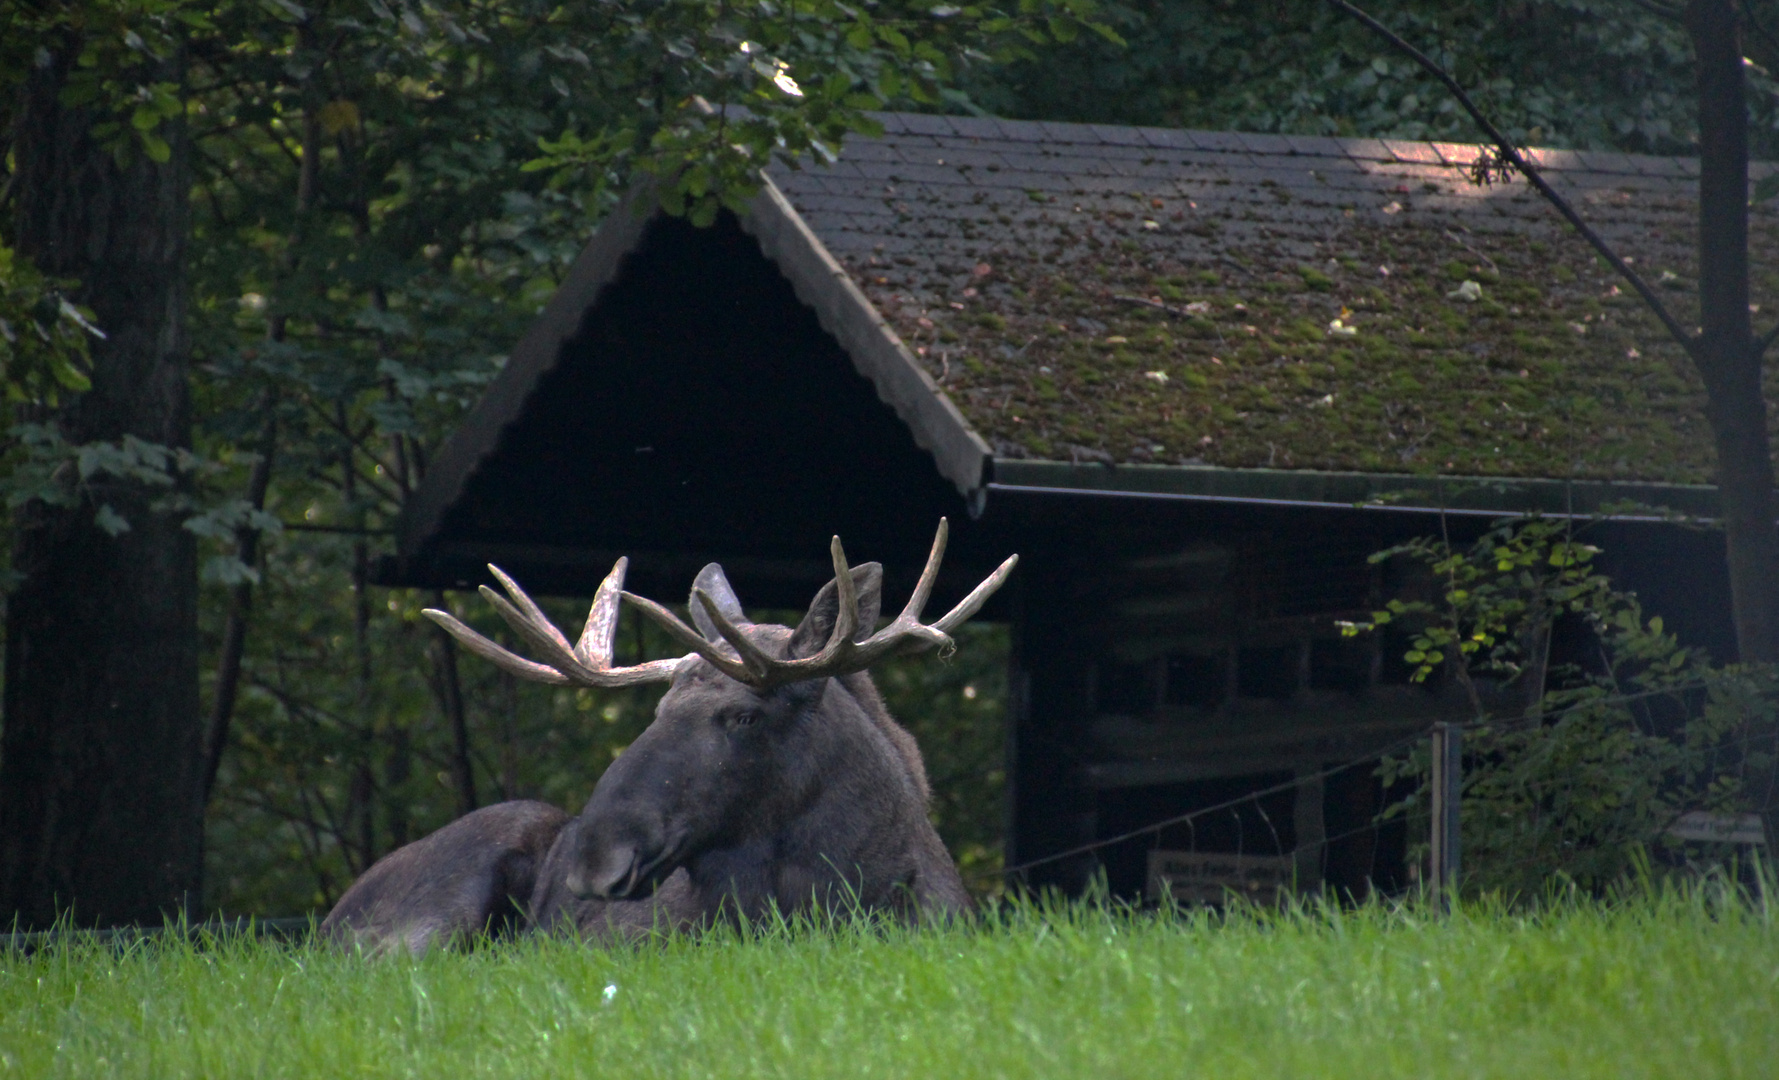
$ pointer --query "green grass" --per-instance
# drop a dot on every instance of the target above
(1675, 986)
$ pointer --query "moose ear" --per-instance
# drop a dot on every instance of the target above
(812, 633)
(717, 587)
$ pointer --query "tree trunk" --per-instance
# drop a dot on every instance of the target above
(234, 629)
(450, 691)
(1727, 355)
(100, 763)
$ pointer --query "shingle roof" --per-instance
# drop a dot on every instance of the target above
(1085, 292)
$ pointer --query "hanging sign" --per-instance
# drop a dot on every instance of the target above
(1718, 828)
(1208, 877)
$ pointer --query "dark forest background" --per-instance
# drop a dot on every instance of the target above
(373, 198)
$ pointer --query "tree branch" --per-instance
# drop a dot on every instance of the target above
(1761, 343)
(350, 530)
(1505, 148)
(1759, 27)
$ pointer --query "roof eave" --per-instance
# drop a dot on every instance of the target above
(534, 355)
(877, 351)
(1492, 496)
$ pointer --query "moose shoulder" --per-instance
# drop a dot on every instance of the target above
(772, 777)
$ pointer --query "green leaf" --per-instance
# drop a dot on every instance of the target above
(156, 148)
(70, 376)
(112, 522)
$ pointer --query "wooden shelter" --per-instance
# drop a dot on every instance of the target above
(1193, 378)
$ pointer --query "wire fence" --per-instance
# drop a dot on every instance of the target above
(1442, 806)
(28, 942)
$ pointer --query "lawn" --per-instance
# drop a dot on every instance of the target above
(1671, 986)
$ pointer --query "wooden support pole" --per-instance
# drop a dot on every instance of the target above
(1310, 825)
(1447, 782)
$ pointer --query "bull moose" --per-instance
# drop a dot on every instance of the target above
(772, 776)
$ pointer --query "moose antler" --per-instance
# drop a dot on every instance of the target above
(841, 655)
(588, 663)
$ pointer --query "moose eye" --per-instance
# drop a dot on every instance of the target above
(743, 719)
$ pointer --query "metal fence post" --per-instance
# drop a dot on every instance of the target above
(1447, 776)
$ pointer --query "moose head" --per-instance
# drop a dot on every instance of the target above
(771, 770)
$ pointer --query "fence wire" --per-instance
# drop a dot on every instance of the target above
(1500, 724)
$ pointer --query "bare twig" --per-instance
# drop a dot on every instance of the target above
(1467, 246)
(358, 440)
(1504, 146)
(349, 530)
(1176, 312)
(1766, 339)
(1759, 27)
(1231, 260)
(450, 694)
(234, 634)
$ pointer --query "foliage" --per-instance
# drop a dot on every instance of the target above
(1574, 768)
(121, 63)
(1605, 74)
(1676, 985)
(385, 193)
(44, 335)
(956, 708)
(724, 88)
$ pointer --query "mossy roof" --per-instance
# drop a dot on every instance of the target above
(1137, 295)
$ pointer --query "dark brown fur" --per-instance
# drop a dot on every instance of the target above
(733, 802)
(474, 876)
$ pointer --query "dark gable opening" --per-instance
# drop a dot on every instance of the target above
(701, 408)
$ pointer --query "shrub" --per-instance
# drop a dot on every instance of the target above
(1573, 769)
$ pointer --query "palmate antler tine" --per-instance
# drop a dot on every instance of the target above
(545, 638)
(923, 589)
(500, 657)
(589, 665)
(691, 639)
(757, 662)
(599, 638)
(846, 620)
(968, 606)
(534, 614)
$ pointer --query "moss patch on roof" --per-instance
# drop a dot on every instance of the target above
(1301, 307)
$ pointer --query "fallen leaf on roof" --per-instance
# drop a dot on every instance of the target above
(1469, 292)
(1158, 377)
(1341, 329)
(1392, 207)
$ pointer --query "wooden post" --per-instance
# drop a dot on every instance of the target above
(1311, 828)
(1447, 777)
